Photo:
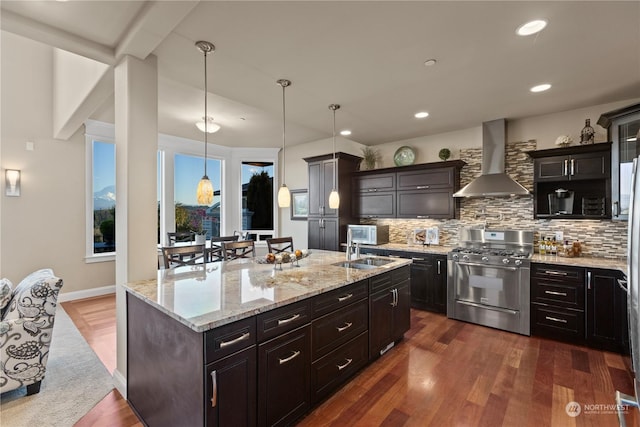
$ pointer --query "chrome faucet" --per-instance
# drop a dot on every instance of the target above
(351, 246)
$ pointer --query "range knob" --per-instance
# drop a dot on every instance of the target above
(485, 259)
(505, 261)
(465, 257)
(518, 262)
(455, 256)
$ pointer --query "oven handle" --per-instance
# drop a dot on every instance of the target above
(476, 264)
(488, 307)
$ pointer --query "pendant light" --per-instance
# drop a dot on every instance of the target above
(205, 188)
(334, 197)
(284, 197)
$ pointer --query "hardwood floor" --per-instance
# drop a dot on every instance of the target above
(443, 373)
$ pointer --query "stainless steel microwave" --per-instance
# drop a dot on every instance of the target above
(369, 234)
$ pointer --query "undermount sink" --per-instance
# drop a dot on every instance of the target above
(363, 263)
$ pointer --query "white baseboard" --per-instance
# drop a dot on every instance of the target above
(87, 293)
(120, 382)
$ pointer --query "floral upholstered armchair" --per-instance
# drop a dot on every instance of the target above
(26, 327)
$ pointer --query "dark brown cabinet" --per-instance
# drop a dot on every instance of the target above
(389, 310)
(429, 282)
(418, 191)
(557, 302)
(326, 226)
(283, 378)
(572, 182)
(212, 384)
(579, 305)
(607, 324)
(231, 390)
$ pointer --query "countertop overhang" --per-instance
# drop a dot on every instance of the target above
(205, 297)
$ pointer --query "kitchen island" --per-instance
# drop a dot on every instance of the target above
(242, 343)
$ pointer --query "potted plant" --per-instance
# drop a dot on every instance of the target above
(370, 157)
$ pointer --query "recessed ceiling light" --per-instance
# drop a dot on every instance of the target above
(421, 115)
(430, 62)
(540, 88)
(531, 27)
(345, 132)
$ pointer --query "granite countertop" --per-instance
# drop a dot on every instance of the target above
(588, 262)
(232, 290)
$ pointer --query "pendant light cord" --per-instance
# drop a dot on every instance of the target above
(334, 148)
(206, 121)
(284, 161)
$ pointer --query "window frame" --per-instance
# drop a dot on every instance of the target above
(105, 133)
(168, 146)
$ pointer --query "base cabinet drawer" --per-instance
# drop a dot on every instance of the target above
(335, 329)
(558, 323)
(332, 370)
(562, 294)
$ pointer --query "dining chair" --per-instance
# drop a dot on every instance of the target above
(241, 249)
(215, 251)
(277, 245)
(180, 236)
(176, 256)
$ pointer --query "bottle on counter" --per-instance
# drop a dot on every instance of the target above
(542, 247)
(554, 246)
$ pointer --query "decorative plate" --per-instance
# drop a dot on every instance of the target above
(404, 156)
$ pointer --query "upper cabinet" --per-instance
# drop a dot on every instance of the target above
(623, 129)
(417, 191)
(572, 182)
(327, 227)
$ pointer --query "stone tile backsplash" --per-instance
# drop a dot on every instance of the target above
(600, 238)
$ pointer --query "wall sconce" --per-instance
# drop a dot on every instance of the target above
(12, 182)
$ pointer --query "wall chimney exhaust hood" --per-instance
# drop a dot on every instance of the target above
(493, 181)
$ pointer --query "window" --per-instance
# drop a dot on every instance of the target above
(189, 216)
(257, 199)
(104, 196)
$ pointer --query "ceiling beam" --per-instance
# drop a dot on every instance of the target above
(38, 31)
(151, 26)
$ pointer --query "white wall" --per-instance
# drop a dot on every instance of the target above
(45, 227)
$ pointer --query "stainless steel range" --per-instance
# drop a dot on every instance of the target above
(488, 278)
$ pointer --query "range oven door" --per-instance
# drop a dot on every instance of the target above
(489, 295)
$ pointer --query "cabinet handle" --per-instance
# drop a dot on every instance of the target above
(346, 326)
(615, 209)
(344, 298)
(573, 169)
(394, 256)
(555, 273)
(242, 337)
(438, 266)
(422, 216)
(321, 210)
(288, 359)
(290, 319)
(562, 294)
(623, 285)
(555, 319)
(372, 216)
(214, 393)
(417, 259)
(422, 187)
(566, 167)
(341, 367)
(393, 296)
(588, 280)
(373, 190)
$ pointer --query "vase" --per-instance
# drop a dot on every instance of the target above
(201, 239)
(587, 134)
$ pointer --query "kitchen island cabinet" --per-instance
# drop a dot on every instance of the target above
(237, 343)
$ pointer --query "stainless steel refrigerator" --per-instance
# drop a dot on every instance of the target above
(633, 290)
